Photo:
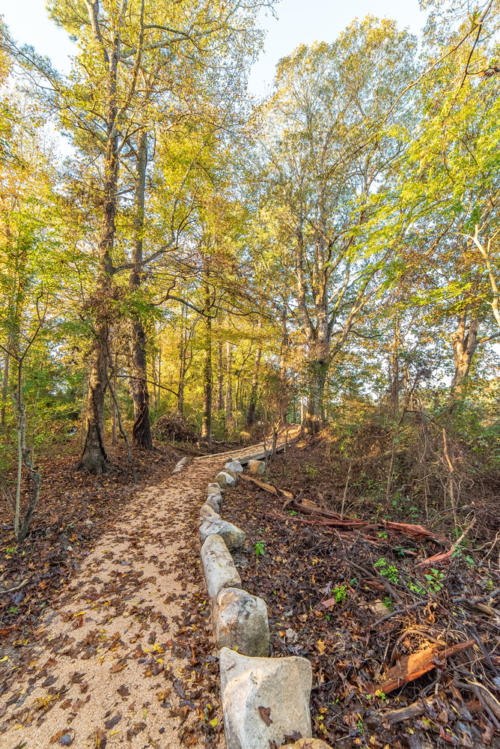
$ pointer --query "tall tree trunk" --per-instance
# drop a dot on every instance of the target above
(220, 371)
(5, 383)
(252, 405)
(317, 367)
(229, 386)
(206, 426)
(394, 376)
(114, 407)
(94, 458)
(141, 430)
(464, 346)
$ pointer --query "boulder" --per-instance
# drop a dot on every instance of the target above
(207, 512)
(264, 699)
(234, 466)
(257, 467)
(233, 537)
(218, 566)
(307, 744)
(214, 500)
(240, 622)
(224, 479)
(214, 488)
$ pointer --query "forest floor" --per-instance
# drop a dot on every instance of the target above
(403, 655)
(105, 628)
(105, 622)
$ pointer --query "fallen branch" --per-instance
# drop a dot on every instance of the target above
(406, 713)
(447, 555)
(267, 487)
(16, 587)
(413, 666)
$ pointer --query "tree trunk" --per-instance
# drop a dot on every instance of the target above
(94, 458)
(464, 346)
(5, 384)
(318, 370)
(229, 386)
(141, 430)
(206, 426)
(252, 406)
(220, 371)
(114, 408)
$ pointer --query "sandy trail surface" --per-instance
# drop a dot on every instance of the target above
(119, 661)
(107, 668)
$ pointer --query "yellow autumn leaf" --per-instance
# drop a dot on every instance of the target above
(320, 647)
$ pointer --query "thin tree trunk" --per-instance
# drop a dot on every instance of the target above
(220, 371)
(206, 427)
(229, 386)
(114, 426)
(5, 384)
(141, 430)
(252, 406)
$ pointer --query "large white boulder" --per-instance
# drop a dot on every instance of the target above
(257, 467)
(218, 566)
(240, 622)
(234, 466)
(207, 512)
(264, 699)
(224, 479)
(234, 537)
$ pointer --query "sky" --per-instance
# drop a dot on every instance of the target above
(295, 22)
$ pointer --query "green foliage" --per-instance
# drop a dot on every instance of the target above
(390, 571)
(259, 549)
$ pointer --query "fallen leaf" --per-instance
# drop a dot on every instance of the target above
(265, 714)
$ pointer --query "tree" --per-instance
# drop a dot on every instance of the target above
(327, 156)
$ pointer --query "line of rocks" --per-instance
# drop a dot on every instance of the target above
(265, 700)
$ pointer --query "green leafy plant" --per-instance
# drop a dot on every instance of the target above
(390, 571)
(388, 603)
(340, 593)
(434, 580)
(259, 549)
(416, 587)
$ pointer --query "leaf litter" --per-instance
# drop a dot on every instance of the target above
(403, 654)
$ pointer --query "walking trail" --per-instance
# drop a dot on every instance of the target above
(121, 659)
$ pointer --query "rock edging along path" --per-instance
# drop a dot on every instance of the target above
(265, 700)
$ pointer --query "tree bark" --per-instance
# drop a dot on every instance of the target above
(206, 426)
(464, 346)
(229, 386)
(252, 405)
(94, 458)
(141, 430)
(220, 371)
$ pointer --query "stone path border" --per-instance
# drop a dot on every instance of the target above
(263, 699)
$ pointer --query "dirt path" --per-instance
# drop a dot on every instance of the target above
(115, 661)
(124, 658)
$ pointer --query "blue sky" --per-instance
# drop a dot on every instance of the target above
(298, 21)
